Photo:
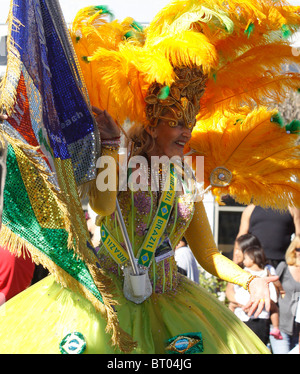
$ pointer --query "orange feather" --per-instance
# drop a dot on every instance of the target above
(262, 157)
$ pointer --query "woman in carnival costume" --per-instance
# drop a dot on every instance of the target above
(180, 85)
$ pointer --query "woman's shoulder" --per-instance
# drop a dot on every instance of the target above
(281, 268)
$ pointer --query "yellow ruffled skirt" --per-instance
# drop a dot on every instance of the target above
(40, 318)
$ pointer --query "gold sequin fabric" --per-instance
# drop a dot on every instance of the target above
(182, 101)
(138, 210)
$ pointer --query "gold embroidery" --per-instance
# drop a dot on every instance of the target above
(183, 100)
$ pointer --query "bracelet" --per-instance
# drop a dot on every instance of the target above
(115, 140)
(249, 281)
(111, 144)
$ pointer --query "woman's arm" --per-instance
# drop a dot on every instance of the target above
(201, 241)
(102, 201)
(245, 220)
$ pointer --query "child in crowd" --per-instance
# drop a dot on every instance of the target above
(256, 263)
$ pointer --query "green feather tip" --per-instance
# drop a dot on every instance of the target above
(164, 93)
(237, 121)
(129, 34)
(85, 58)
(293, 127)
(249, 30)
(277, 118)
(104, 10)
(286, 32)
(137, 26)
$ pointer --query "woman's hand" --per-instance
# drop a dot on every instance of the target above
(106, 125)
(259, 295)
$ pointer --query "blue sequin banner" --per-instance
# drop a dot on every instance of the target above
(66, 115)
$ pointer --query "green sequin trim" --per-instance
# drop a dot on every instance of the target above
(19, 217)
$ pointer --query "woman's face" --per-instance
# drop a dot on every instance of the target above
(169, 141)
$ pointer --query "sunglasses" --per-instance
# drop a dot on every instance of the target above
(297, 249)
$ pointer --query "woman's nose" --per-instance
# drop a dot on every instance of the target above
(187, 133)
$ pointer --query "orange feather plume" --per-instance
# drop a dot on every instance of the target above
(261, 156)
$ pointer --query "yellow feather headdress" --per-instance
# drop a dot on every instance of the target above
(241, 47)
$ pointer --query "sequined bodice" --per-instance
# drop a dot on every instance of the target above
(138, 210)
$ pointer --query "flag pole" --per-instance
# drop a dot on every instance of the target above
(126, 239)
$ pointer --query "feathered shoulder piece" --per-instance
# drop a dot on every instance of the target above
(251, 155)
